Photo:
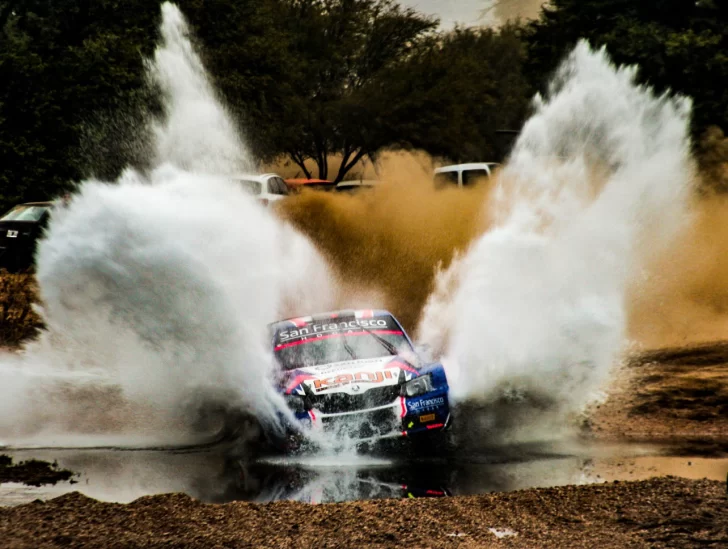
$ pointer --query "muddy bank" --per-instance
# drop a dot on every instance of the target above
(669, 394)
(32, 472)
(667, 512)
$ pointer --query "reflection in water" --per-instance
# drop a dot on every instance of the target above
(219, 475)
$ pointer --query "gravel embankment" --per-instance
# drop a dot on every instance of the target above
(666, 512)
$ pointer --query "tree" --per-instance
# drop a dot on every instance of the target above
(453, 95)
(60, 62)
(74, 97)
(307, 78)
(341, 48)
(679, 45)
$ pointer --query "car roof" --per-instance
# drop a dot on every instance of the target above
(254, 177)
(469, 166)
(50, 204)
(359, 313)
(309, 182)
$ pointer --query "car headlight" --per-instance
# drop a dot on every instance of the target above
(418, 386)
(295, 403)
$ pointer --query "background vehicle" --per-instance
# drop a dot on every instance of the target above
(356, 374)
(464, 175)
(297, 185)
(357, 185)
(266, 188)
(20, 228)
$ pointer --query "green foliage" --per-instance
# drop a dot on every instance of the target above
(314, 78)
(371, 75)
(341, 50)
(61, 61)
(680, 45)
(452, 96)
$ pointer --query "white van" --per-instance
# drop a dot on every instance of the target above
(266, 188)
(464, 175)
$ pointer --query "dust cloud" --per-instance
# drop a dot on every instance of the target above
(682, 297)
(389, 240)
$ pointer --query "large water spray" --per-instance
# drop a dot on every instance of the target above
(196, 132)
(599, 179)
(157, 289)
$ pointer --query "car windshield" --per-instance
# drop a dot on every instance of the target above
(278, 186)
(338, 340)
(338, 348)
(250, 187)
(25, 212)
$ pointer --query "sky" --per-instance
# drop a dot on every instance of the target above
(474, 12)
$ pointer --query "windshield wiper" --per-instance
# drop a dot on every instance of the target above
(383, 342)
(348, 348)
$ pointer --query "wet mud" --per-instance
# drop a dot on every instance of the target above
(678, 394)
(32, 472)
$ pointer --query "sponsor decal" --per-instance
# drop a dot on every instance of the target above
(425, 403)
(323, 369)
(360, 377)
(329, 327)
(427, 418)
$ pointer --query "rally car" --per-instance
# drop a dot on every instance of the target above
(356, 373)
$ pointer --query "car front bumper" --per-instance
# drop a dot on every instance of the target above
(405, 416)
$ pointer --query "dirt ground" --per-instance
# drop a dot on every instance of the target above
(671, 395)
(667, 512)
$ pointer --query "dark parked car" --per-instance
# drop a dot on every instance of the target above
(20, 228)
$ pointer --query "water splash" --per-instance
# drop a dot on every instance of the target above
(157, 289)
(196, 132)
(598, 180)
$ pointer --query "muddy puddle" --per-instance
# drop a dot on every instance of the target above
(221, 475)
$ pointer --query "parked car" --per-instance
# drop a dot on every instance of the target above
(355, 186)
(20, 229)
(357, 375)
(266, 188)
(464, 175)
(296, 185)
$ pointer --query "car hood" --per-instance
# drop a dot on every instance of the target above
(352, 377)
(20, 226)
